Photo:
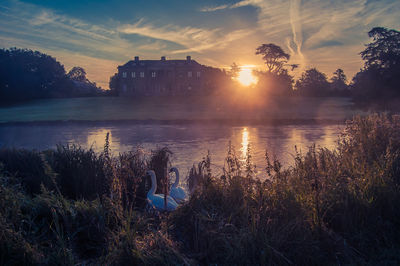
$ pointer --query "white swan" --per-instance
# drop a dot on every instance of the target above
(157, 200)
(178, 193)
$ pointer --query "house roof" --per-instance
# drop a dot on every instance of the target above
(160, 63)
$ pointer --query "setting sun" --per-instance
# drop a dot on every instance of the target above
(246, 77)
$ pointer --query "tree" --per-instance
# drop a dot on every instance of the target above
(339, 75)
(27, 74)
(378, 82)
(339, 80)
(274, 84)
(274, 56)
(114, 84)
(384, 51)
(312, 83)
(77, 74)
(234, 71)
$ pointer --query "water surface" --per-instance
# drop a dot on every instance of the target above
(189, 143)
(189, 126)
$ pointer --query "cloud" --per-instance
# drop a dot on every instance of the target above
(216, 44)
(215, 8)
(182, 35)
(231, 6)
(309, 28)
(193, 39)
(327, 43)
(297, 38)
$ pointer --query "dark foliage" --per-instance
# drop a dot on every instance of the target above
(271, 83)
(378, 82)
(29, 166)
(27, 75)
(274, 57)
(312, 83)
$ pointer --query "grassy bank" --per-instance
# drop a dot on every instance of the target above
(73, 206)
(175, 109)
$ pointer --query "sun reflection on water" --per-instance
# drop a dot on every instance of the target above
(96, 140)
(245, 142)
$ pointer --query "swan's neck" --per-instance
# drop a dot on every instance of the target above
(177, 177)
(153, 184)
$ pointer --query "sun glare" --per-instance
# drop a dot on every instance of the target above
(246, 77)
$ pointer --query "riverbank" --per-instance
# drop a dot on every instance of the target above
(181, 110)
(331, 207)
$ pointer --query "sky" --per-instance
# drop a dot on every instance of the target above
(99, 35)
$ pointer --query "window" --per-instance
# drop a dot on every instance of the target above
(189, 74)
(142, 74)
(124, 74)
(198, 74)
(153, 74)
(133, 74)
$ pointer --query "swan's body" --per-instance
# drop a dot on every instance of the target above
(157, 200)
(178, 193)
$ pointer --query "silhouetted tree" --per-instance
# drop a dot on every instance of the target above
(312, 83)
(114, 84)
(234, 71)
(339, 82)
(274, 56)
(275, 84)
(378, 82)
(27, 74)
(384, 51)
(77, 74)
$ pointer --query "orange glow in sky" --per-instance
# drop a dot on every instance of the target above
(246, 77)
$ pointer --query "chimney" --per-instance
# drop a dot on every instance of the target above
(188, 58)
(136, 58)
(162, 58)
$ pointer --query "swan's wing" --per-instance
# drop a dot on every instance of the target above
(182, 193)
(158, 202)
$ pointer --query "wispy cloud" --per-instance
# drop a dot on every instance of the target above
(231, 6)
(214, 8)
(185, 36)
(312, 29)
(71, 41)
(193, 39)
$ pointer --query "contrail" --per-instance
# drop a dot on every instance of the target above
(297, 32)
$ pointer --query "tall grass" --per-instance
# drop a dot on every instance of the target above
(329, 207)
(334, 206)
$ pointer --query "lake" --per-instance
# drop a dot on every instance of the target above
(188, 128)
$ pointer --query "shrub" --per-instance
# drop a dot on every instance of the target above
(28, 165)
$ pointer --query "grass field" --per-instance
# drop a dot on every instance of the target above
(178, 108)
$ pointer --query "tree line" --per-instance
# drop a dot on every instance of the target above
(376, 82)
(27, 75)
